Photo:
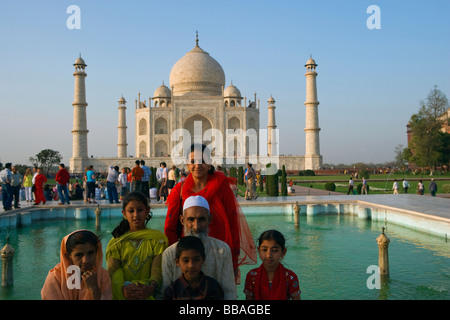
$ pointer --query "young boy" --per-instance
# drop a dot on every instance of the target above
(193, 284)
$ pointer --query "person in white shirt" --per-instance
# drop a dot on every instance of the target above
(218, 263)
(395, 186)
(123, 180)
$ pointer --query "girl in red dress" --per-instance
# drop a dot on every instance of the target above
(271, 281)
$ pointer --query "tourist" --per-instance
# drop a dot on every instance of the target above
(136, 177)
(90, 184)
(433, 188)
(146, 179)
(28, 185)
(250, 192)
(395, 186)
(129, 179)
(163, 192)
(364, 186)
(159, 174)
(39, 181)
(123, 183)
(271, 281)
(133, 256)
(111, 179)
(88, 280)
(350, 186)
(218, 264)
(62, 179)
(405, 185)
(171, 179)
(85, 188)
(16, 185)
(7, 192)
(228, 222)
(420, 188)
(192, 284)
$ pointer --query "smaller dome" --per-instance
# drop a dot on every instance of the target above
(232, 91)
(310, 62)
(122, 100)
(162, 92)
(80, 61)
(271, 100)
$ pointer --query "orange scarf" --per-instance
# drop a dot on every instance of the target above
(55, 286)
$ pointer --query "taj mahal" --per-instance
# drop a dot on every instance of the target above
(197, 106)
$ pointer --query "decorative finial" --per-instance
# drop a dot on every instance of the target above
(196, 38)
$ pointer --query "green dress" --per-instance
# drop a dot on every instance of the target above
(135, 257)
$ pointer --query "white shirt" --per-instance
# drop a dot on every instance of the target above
(218, 265)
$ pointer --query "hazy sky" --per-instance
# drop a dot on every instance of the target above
(370, 81)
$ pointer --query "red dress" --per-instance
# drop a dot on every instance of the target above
(39, 185)
(284, 284)
(228, 222)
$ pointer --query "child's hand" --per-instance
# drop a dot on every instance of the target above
(90, 277)
(145, 291)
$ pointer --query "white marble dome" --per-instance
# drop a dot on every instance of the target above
(162, 92)
(232, 92)
(197, 73)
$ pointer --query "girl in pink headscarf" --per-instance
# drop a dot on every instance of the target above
(79, 275)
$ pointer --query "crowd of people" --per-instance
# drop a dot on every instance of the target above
(196, 257)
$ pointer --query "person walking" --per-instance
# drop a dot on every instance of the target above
(16, 184)
(146, 179)
(62, 179)
(7, 192)
(433, 188)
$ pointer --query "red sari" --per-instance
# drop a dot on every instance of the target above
(228, 223)
(284, 284)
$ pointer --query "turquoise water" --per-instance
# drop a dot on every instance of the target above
(329, 253)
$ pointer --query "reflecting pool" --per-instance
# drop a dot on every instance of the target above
(330, 254)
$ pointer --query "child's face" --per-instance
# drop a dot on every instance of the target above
(271, 253)
(190, 263)
(136, 212)
(83, 256)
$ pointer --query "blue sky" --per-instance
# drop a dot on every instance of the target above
(369, 81)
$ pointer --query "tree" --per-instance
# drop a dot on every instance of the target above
(402, 156)
(46, 159)
(427, 139)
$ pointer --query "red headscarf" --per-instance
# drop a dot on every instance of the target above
(278, 290)
(228, 222)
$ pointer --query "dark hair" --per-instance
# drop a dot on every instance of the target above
(272, 235)
(81, 237)
(190, 243)
(142, 162)
(196, 146)
(124, 226)
(62, 165)
(137, 162)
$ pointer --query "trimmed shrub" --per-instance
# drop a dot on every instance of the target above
(283, 182)
(330, 186)
(446, 188)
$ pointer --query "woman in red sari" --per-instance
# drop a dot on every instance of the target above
(228, 223)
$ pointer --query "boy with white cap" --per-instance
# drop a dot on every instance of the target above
(218, 263)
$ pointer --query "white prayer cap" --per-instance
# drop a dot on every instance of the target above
(195, 201)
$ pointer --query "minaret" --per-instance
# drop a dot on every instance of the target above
(80, 131)
(313, 160)
(122, 130)
(271, 129)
